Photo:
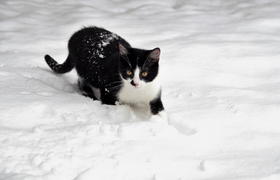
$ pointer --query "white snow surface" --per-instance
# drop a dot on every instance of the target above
(220, 76)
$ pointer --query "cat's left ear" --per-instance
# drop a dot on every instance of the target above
(154, 55)
(123, 50)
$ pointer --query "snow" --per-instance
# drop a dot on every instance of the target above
(220, 75)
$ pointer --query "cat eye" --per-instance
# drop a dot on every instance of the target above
(129, 73)
(144, 74)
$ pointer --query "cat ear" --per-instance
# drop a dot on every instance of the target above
(123, 50)
(154, 55)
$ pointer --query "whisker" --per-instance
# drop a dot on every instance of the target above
(113, 83)
(113, 88)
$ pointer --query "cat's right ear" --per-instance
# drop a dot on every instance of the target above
(123, 50)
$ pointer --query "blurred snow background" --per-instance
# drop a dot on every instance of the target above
(220, 73)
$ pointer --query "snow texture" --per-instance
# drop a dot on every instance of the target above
(220, 75)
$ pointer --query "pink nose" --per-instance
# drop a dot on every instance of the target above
(134, 84)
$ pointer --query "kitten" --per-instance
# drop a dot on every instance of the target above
(111, 71)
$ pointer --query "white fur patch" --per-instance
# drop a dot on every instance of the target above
(163, 115)
(144, 93)
(96, 92)
(136, 78)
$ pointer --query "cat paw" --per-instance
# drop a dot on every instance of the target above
(163, 115)
(160, 117)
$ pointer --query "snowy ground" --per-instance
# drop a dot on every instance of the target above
(220, 71)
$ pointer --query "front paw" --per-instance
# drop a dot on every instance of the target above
(160, 117)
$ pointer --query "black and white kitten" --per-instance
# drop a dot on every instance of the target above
(111, 71)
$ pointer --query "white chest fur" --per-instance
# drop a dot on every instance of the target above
(130, 94)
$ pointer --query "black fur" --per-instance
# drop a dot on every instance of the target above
(156, 105)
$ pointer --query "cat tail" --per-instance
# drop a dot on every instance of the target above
(67, 66)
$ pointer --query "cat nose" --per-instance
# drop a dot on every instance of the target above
(134, 84)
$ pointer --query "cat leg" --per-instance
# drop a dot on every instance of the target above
(158, 109)
(85, 89)
(108, 97)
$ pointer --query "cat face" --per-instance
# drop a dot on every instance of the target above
(138, 67)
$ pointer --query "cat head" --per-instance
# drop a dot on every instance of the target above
(138, 66)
